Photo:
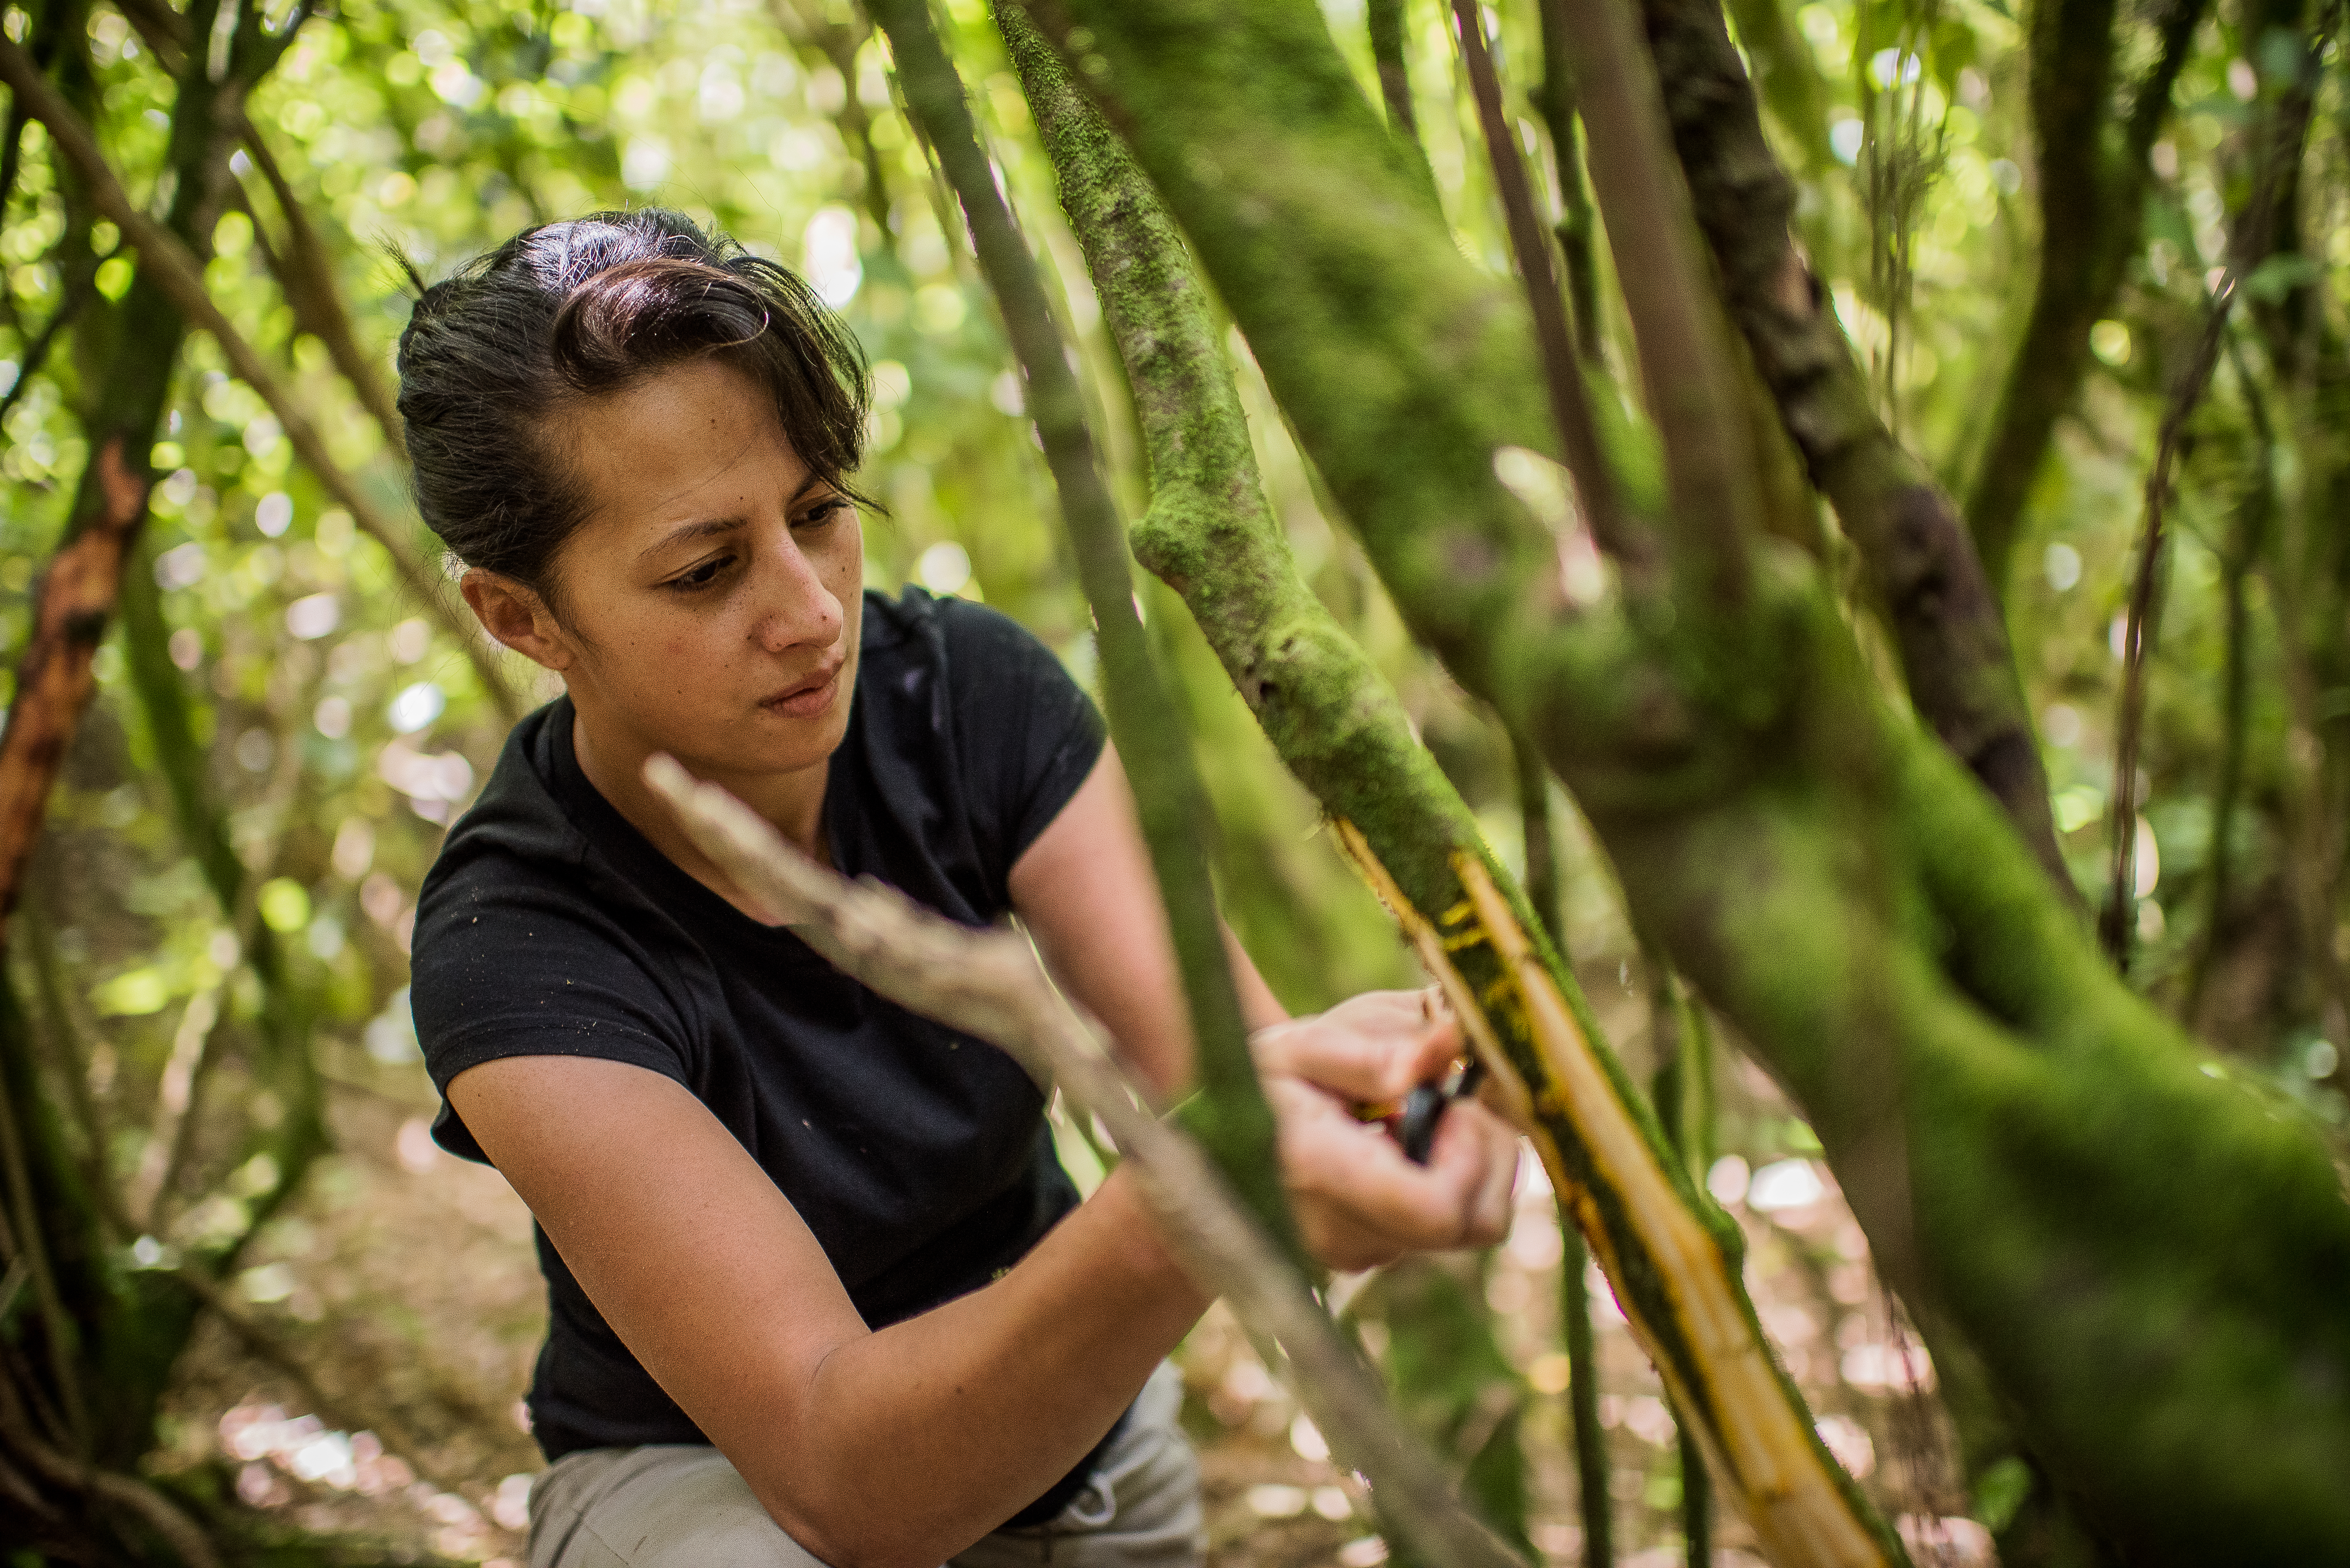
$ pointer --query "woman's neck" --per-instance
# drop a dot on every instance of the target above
(612, 757)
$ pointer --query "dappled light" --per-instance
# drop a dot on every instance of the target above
(1850, 703)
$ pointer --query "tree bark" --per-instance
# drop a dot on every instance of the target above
(2091, 169)
(1923, 571)
(1233, 1117)
(2141, 1254)
(1208, 533)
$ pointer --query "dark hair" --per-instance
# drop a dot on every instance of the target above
(583, 310)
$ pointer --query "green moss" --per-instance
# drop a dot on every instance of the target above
(1329, 713)
(2146, 1262)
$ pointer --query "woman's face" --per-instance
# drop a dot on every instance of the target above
(709, 605)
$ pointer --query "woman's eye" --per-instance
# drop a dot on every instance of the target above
(702, 576)
(824, 512)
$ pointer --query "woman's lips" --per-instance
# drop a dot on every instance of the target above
(808, 699)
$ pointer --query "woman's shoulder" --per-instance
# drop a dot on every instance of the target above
(527, 941)
(524, 860)
(948, 621)
(515, 828)
(983, 657)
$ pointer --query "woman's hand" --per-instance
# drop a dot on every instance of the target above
(1359, 1202)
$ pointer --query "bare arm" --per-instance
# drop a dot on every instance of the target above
(1086, 891)
(896, 1448)
(889, 1449)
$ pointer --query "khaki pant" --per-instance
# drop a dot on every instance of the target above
(683, 1506)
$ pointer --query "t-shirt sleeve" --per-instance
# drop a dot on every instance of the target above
(1028, 732)
(508, 963)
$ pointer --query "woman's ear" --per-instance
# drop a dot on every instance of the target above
(517, 616)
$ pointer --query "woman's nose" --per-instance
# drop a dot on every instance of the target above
(796, 607)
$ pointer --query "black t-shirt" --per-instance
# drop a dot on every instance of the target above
(919, 1157)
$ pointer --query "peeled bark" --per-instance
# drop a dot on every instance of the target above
(54, 681)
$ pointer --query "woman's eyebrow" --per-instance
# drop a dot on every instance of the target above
(691, 531)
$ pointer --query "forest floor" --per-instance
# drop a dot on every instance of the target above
(405, 1288)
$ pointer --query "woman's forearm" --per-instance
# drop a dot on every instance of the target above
(914, 1441)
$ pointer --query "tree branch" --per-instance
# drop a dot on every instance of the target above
(2091, 194)
(836, 44)
(1570, 405)
(1237, 1123)
(109, 1492)
(181, 278)
(1384, 20)
(2012, 1127)
(2247, 535)
(2284, 132)
(1339, 727)
(1714, 508)
(79, 284)
(1788, 73)
(987, 984)
(1923, 570)
(1594, 1505)
(305, 274)
(54, 681)
(1576, 227)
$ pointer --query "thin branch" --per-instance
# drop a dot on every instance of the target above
(1148, 726)
(70, 1063)
(1570, 405)
(1541, 839)
(70, 1417)
(836, 43)
(161, 28)
(1385, 21)
(257, 50)
(178, 275)
(1680, 1090)
(305, 274)
(1594, 1505)
(336, 1410)
(2117, 917)
(2247, 535)
(1788, 73)
(79, 287)
(110, 1493)
(2090, 187)
(987, 984)
(2287, 128)
(1714, 508)
(1577, 228)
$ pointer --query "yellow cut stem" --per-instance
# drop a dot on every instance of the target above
(1753, 1434)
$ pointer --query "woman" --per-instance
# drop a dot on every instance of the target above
(818, 1289)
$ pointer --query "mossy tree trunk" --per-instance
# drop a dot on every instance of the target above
(2144, 1255)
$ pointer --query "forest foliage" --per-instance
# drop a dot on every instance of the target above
(2027, 223)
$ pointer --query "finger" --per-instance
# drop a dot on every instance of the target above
(1375, 1047)
(1487, 1149)
(1465, 1156)
(1358, 1171)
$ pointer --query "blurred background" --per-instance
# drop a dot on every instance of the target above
(209, 966)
